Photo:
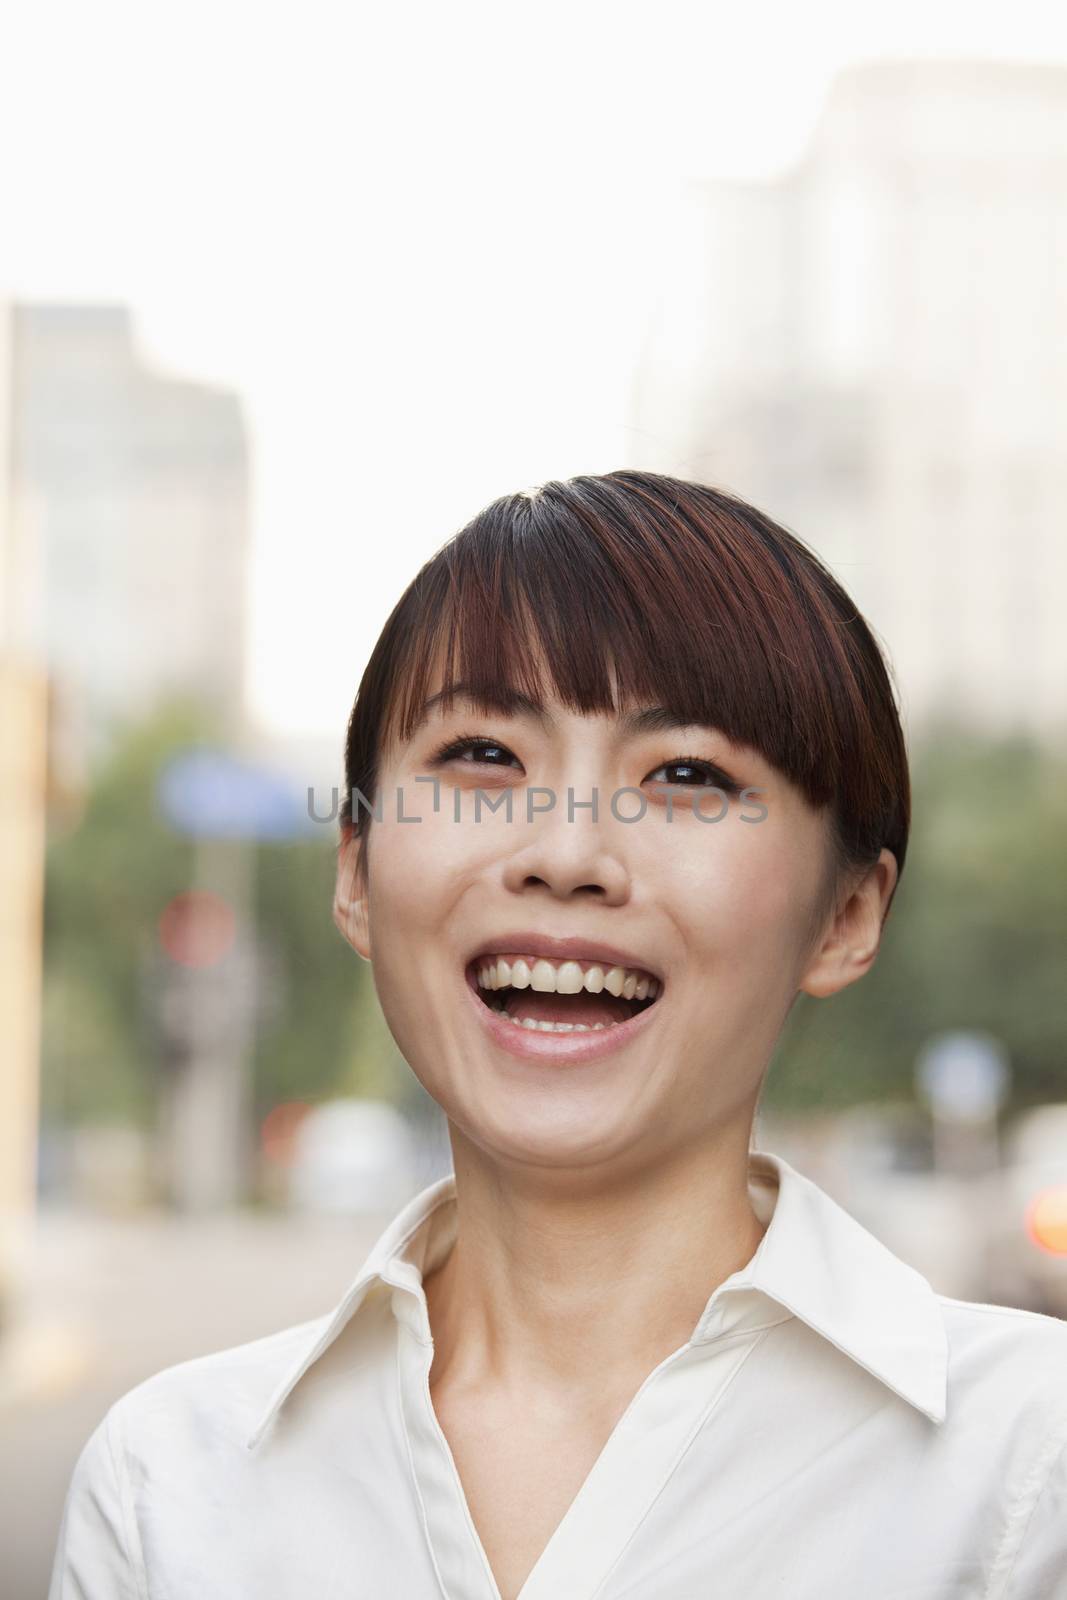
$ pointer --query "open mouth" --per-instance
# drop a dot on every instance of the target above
(561, 996)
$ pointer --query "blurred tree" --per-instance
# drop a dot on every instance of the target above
(110, 872)
(328, 1036)
(977, 937)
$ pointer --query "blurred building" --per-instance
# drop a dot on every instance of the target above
(873, 348)
(125, 551)
(131, 490)
(23, 724)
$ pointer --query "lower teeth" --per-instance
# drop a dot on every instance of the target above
(554, 1027)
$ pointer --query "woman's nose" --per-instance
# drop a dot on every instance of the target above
(568, 856)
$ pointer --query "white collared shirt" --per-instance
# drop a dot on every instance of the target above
(832, 1430)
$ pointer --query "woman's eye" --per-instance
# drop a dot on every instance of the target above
(684, 772)
(696, 772)
(476, 752)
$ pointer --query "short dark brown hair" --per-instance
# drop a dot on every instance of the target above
(698, 600)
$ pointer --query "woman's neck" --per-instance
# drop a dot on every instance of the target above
(561, 1292)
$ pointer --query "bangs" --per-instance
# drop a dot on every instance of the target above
(703, 625)
(691, 598)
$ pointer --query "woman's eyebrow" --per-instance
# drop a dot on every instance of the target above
(512, 702)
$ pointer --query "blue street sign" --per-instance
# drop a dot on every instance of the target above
(212, 795)
(963, 1075)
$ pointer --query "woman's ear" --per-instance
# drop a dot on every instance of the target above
(850, 944)
(351, 911)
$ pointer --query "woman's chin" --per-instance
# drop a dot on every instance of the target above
(548, 1138)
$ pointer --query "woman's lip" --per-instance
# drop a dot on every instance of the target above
(533, 1044)
(552, 949)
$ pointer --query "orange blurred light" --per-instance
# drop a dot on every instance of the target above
(278, 1128)
(1046, 1220)
(197, 928)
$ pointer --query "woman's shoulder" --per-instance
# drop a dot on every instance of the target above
(1008, 1357)
(187, 1425)
(980, 1324)
(222, 1392)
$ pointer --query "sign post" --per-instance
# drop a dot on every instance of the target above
(964, 1078)
(207, 990)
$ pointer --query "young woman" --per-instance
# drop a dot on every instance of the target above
(625, 776)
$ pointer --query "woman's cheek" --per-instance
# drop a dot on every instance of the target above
(408, 844)
(721, 885)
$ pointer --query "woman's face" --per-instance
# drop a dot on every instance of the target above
(717, 911)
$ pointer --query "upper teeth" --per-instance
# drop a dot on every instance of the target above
(565, 977)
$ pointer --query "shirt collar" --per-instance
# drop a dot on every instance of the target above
(821, 1264)
(814, 1260)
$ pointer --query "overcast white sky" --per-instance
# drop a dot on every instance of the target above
(421, 240)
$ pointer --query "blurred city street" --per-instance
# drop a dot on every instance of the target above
(100, 1316)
